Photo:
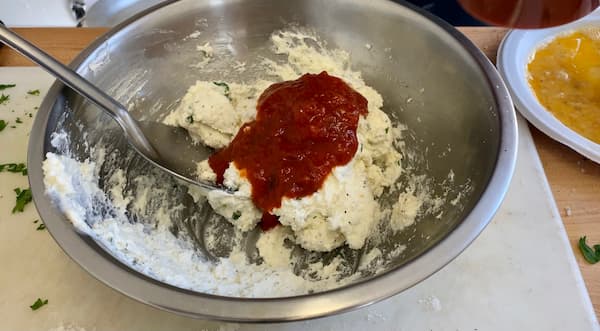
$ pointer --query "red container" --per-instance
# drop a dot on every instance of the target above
(528, 14)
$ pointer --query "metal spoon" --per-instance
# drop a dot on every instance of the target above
(167, 147)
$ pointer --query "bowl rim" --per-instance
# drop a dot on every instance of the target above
(133, 284)
(514, 54)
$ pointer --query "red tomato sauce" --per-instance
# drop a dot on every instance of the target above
(303, 129)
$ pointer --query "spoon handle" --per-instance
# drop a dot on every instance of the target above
(82, 86)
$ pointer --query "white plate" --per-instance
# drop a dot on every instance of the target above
(513, 56)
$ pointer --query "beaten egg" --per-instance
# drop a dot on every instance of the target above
(565, 76)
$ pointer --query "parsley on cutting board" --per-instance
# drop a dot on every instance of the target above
(5, 86)
(4, 98)
(592, 255)
(14, 167)
(38, 304)
(23, 198)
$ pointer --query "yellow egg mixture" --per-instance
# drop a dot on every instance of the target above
(565, 76)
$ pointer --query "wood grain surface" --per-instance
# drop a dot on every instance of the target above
(575, 180)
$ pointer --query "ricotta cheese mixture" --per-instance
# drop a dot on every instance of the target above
(130, 209)
(213, 113)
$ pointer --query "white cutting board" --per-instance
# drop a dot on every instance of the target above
(520, 274)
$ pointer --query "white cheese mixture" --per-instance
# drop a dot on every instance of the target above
(213, 112)
(157, 253)
(132, 215)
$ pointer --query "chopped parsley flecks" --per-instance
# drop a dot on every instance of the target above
(4, 98)
(23, 198)
(14, 167)
(5, 86)
(226, 91)
(589, 254)
(38, 304)
(236, 214)
(19, 120)
(190, 119)
(41, 226)
(3, 124)
(33, 92)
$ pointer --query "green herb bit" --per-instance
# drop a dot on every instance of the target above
(190, 119)
(14, 167)
(226, 87)
(5, 86)
(40, 227)
(3, 124)
(35, 221)
(23, 198)
(38, 304)
(4, 98)
(33, 92)
(386, 130)
(30, 115)
(19, 120)
(13, 126)
(590, 255)
(236, 214)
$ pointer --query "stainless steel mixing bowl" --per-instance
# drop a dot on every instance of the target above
(457, 110)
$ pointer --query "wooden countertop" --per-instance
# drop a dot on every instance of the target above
(575, 180)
